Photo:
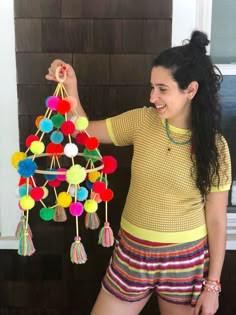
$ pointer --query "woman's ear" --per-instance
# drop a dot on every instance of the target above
(192, 89)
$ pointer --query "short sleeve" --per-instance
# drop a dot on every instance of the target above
(122, 128)
(225, 167)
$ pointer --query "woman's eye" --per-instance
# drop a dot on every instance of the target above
(163, 90)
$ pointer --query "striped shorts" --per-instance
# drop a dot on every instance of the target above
(174, 271)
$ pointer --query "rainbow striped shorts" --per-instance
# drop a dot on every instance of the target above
(173, 271)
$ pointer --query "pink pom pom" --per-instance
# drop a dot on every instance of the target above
(76, 209)
(61, 177)
(95, 196)
(30, 139)
(52, 102)
(110, 164)
(37, 193)
(54, 183)
(99, 187)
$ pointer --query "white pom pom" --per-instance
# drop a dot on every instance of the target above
(72, 190)
(71, 150)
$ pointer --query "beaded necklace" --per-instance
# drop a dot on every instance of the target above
(171, 139)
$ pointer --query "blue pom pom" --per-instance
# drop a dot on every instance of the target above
(57, 137)
(82, 194)
(46, 125)
(23, 190)
(27, 167)
(88, 184)
(50, 176)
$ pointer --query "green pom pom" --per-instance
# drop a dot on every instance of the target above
(37, 147)
(81, 123)
(76, 174)
(27, 202)
(88, 155)
(46, 214)
(58, 120)
(90, 206)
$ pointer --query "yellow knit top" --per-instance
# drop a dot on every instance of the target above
(163, 203)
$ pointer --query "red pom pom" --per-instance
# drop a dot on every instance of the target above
(91, 143)
(81, 137)
(110, 164)
(22, 181)
(37, 193)
(107, 195)
(63, 107)
(67, 128)
(54, 149)
(30, 139)
(99, 187)
(54, 183)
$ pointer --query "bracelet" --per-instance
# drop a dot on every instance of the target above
(213, 288)
(213, 281)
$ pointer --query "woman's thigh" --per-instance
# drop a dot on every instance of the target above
(168, 308)
(109, 304)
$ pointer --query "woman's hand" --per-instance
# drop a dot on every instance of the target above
(207, 304)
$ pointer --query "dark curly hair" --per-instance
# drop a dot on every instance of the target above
(189, 63)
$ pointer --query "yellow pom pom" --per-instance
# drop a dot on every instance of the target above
(64, 200)
(45, 192)
(90, 206)
(16, 158)
(27, 202)
(81, 123)
(37, 147)
(76, 174)
(93, 176)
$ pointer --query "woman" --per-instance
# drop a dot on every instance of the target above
(173, 226)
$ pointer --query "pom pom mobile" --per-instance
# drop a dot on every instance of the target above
(87, 185)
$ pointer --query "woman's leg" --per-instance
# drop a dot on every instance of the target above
(167, 308)
(109, 304)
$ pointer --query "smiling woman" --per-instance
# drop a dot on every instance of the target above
(9, 214)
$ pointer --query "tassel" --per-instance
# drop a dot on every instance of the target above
(26, 246)
(60, 214)
(77, 252)
(92, 221)
(21, 226)
(106, 237)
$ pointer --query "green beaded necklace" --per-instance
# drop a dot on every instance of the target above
(171, 139)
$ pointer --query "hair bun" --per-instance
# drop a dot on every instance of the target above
(199, 40)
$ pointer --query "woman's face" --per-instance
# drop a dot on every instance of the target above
(171, 102)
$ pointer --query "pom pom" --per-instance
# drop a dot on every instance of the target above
(106, 237)
(67, 128)
(91, 143)
(76, 209)
(59, 214)
(37, 147)
(56, 137)
(99, 187)
(52, 174)
(72, 100)
(37, 193)
(88, 184)
(45, 192)
(71, 150)
(82, 194)
(54, 149)
(81, 137)
(26, 246)
(64, 199)
(76, 174)
(81, 123)
(54, 183)
(90, 206)
(30, 139)
(92, 221)
(95, 197)
(46, 214)
(16, 158)
(46, 125)
(27, 202)
(61, 177)
(58, 120)
(23, 190)
(27, 168)
(63, 107)
(106, 195)
(110, 164)
(91, 155)
(23, 181)
(93, 176)
(37, 121)
(52, 102)
(77, 252)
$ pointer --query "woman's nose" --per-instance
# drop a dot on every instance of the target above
(153, 96)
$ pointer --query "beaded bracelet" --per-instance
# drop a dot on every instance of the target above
(211, 286)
